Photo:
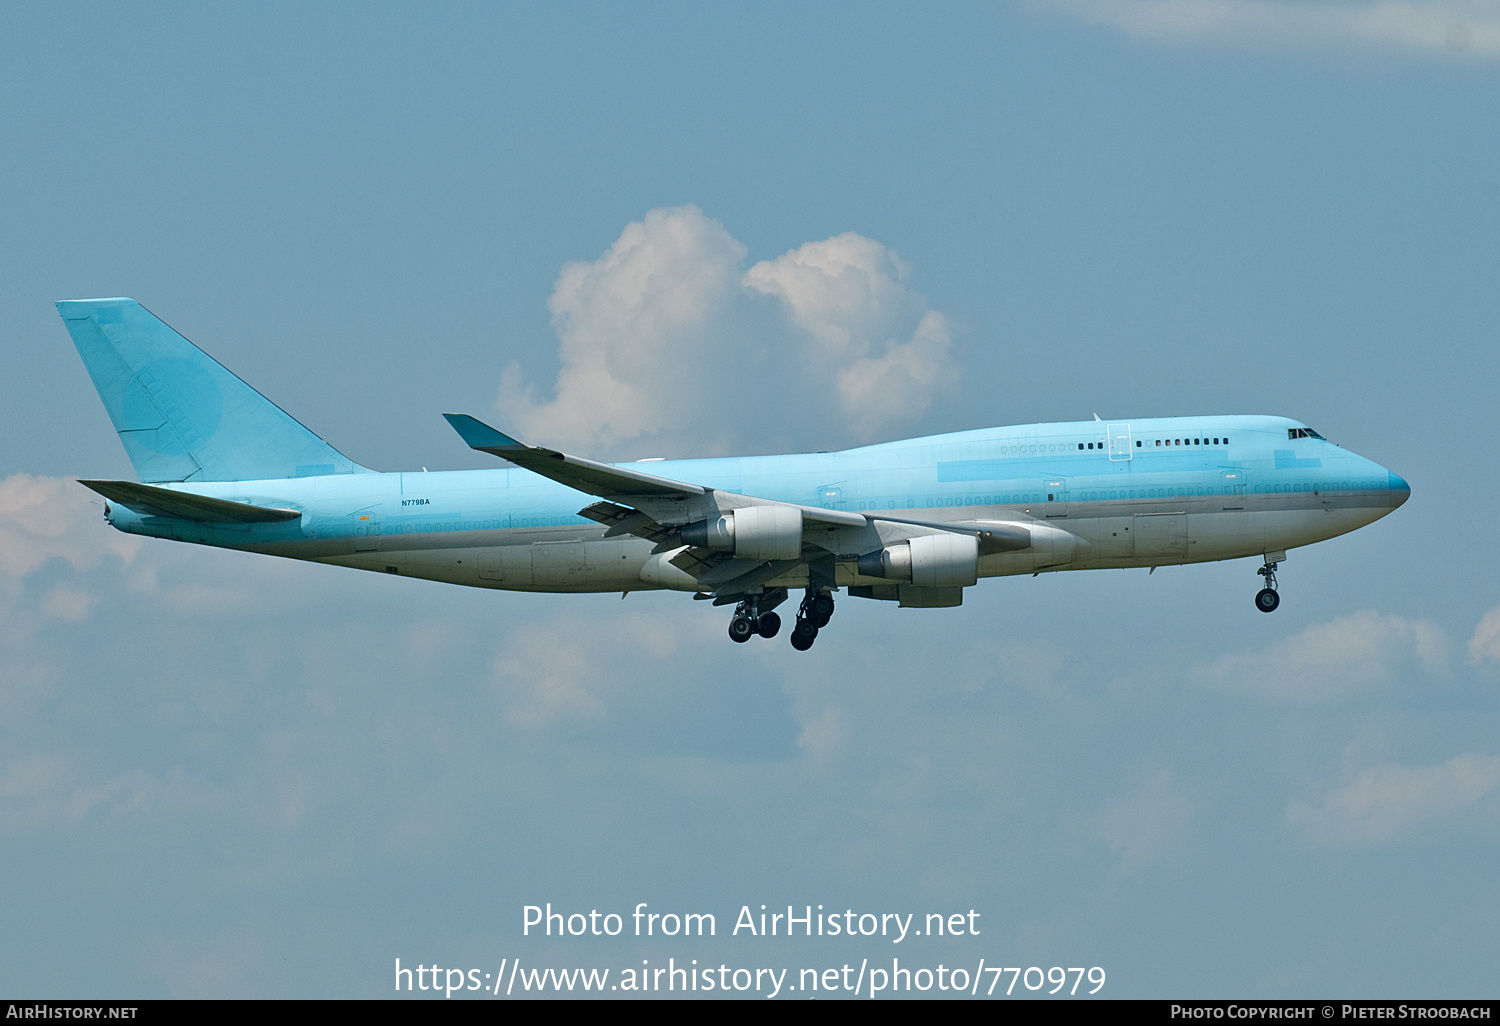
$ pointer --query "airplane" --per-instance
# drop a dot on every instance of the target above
(914, 522)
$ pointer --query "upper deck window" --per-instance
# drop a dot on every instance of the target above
(1302, 433)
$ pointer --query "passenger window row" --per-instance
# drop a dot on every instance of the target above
(1021, 449)
(1164, 441)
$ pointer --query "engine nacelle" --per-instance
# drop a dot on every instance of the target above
(752, 532)
(928, 561)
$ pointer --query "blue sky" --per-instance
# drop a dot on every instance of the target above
(226, 775)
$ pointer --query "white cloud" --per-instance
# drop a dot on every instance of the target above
(1485, 644)
(1357, 653)
(824, 735)
(570, 668)
(849, 295)
(44, 518)
(637, 333)
(663, 341)
(1419, 26)
(48, 788)
(1149, 822)
(544, 680)
(1391, 801)
(68, 603)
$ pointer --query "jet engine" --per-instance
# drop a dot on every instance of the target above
(928, 561)
(751, 532)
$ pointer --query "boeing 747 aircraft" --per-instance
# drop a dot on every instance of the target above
(913, 522)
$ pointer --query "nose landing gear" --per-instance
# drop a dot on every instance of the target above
(1266, 600)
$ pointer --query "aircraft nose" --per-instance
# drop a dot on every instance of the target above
(1400, 490)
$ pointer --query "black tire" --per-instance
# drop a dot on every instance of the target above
(769, 625)
(741, 629)
(1267, 600)
(820, 610)
(803, 635)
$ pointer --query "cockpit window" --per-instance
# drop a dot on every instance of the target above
(1302, 433)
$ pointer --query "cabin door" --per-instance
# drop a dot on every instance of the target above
(1233, 482)
(1056, 490)
(366, 532)
(831, 496)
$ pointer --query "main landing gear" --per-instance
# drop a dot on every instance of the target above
(814, 614)
(754, 616)
(1266, 600)
(748, 620)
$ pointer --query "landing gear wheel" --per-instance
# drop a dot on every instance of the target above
(820, 609)
(1266, 600)
(803, 635)
(741, 629)
(769, 625)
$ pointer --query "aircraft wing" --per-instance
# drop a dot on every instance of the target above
(624, 485)
(600, 479)
(656, 508)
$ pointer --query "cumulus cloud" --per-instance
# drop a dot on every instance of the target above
(1393, 801)
(1416, 26)
(666, 341)
(43, 518)
(1328, 661)
(849, 295)
(1484, 646)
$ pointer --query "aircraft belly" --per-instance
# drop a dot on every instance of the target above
(1288, 528)
(1005, 564)
(610, 564)
(1109, 537)
(1227, 534)
(1160, 538)
(614, 564)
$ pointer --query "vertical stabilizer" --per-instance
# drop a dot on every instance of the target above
(181, 415)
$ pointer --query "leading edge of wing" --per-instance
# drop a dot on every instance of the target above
(574, 471)
(609, 481)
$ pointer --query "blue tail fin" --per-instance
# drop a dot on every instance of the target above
(180, 413)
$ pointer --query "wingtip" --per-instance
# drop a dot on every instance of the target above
(479, 435)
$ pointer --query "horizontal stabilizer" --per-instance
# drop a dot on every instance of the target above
(166, 502)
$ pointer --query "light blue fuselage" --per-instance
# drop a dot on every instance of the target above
(1132, 493)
